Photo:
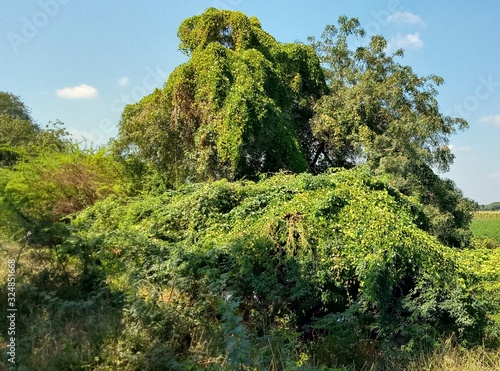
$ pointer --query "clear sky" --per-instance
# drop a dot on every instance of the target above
(81, 61)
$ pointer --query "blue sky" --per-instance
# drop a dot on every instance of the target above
(81, 61)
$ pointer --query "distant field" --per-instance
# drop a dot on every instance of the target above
(486, 224)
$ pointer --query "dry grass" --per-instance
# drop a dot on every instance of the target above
(453, 358)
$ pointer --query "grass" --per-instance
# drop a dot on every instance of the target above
(53, 333)
(453, 358)
(486, 224)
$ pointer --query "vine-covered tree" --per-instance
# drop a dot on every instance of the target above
(246, 104)
(239, 106)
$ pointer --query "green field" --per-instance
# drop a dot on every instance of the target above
(486, 224)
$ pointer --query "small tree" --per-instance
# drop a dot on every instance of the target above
(12, 106)
(16, 127)
(21, 135)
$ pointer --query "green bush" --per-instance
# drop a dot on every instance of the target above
(316, 256)
(41, 190)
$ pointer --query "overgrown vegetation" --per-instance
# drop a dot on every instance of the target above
(273, 207)
(220, 113)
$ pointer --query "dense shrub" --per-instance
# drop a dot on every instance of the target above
(41, 190)
(303, 258)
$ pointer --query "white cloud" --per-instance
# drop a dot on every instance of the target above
(405, 18)
(82, 91)
(410, 41)
(494, 175)
(492, 120)
(123, 81)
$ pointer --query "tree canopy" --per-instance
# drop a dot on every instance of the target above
(246, 104)
(12, 106)
(21, 135)
(238, 107)
(382, 114)
(16, 127)
(379, 111)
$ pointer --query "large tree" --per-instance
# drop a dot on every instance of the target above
(239, 106)
(381, 113)
(246, 104)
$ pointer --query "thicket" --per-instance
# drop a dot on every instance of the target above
(332, 260)
(292, 271)
(40, 192)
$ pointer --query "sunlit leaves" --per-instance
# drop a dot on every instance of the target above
(341, 244)
(223, 112)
